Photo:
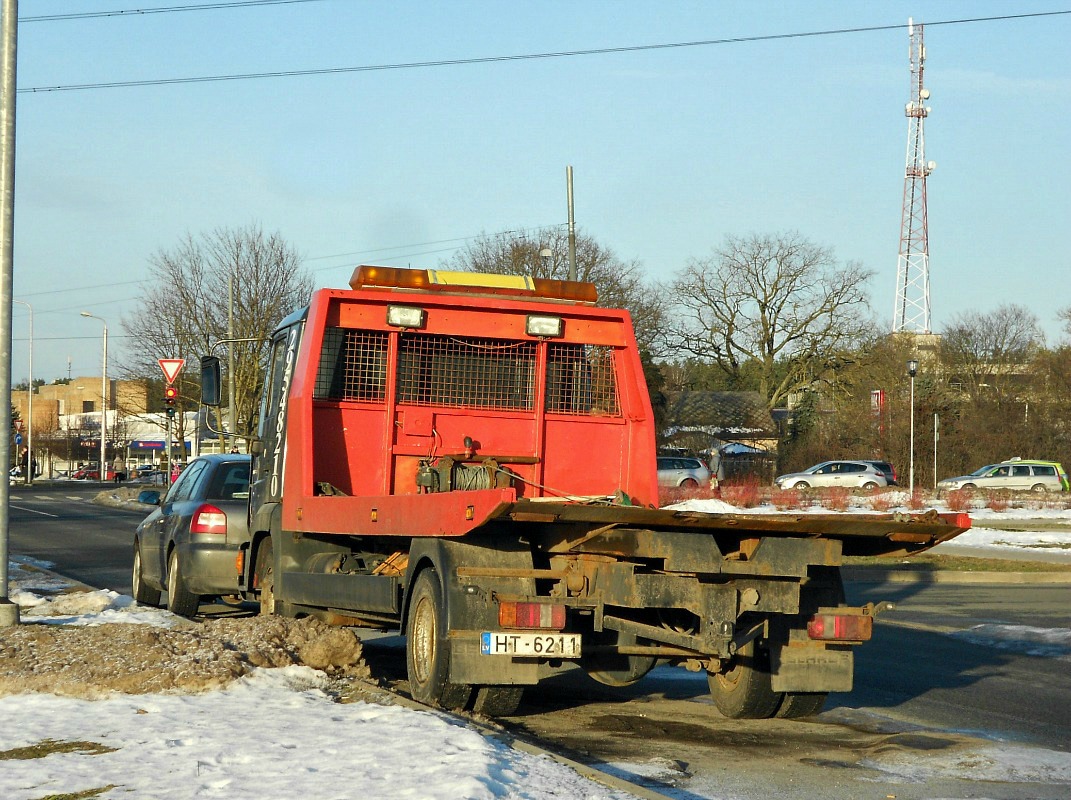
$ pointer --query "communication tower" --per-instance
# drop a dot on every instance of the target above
(912, 310)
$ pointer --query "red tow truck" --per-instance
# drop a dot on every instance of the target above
(470, 460)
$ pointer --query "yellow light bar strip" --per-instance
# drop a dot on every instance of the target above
(368, 277)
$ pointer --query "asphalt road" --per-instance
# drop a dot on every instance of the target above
(59, 523)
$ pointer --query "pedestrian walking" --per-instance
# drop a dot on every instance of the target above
(119, 469)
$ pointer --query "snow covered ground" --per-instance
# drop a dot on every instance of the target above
(294, 735)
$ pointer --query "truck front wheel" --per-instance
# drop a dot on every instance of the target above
(427, 650)
(744, 692)
(264, 577)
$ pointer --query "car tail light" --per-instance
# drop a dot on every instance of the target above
(208, 519)
(531, 615)
(841, 627)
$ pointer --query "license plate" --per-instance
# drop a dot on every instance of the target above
(544, 645)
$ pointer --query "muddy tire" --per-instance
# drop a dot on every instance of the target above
(264, 577)
(801, 704)
(612, 669)
(498, 701)
(744, 692)
(427, 650)
(144, 595)
(180, 600)
(689, 483)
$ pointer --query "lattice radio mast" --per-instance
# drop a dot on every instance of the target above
(912, 310)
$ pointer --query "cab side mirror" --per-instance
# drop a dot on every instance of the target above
(210, 381)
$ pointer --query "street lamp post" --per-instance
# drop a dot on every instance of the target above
(102, 471)
(29, 399)
(912, 370)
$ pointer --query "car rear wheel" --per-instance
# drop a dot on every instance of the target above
(1038, 487)
(689, 483)
(870, 486)
(180, 600)
(144, 595)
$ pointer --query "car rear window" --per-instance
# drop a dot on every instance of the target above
(231, 482)
(1043, 470)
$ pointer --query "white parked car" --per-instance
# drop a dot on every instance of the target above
(852, 474)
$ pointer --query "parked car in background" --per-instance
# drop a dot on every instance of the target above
(886, 469)
(852, 474)
(188, 546)
(1015, 474)
(681, 471)
(91, 472)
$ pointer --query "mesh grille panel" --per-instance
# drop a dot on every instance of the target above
(580, 380)
(466, 372)
(469, 372)
(353, 366)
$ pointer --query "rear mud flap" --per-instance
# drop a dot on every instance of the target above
(811, 669)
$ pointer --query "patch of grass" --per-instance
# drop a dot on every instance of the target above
(82, 795)
(47, 747)
(928, 561)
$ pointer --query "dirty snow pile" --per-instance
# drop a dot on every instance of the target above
(103, 698)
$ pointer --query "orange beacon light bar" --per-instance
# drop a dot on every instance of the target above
(370, 277)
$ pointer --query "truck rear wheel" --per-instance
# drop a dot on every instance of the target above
(614, 669)
(427, 651)
(801, 704)
(744, 692)
(497, 701)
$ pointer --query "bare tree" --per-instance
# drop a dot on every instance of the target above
(778, 302)
(620, 283)
(184, 310)
(989, 353)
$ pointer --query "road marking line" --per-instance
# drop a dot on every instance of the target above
(35, 511)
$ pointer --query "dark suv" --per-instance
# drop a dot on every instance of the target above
(886, 469)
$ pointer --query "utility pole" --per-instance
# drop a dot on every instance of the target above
(9, 15)
(911, 313)
(572, 224)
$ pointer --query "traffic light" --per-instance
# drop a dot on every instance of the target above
(170, 395)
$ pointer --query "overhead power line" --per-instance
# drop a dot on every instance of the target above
(519, 57)
(140, 12)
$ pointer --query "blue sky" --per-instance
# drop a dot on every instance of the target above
(672, 149)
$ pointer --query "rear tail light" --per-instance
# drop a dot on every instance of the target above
(208, 519)
(841, 627)
(531, 615)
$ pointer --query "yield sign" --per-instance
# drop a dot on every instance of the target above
(171, 368)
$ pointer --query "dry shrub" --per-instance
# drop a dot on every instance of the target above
(743, 494)
(959, 500)
(836, 498)
(787, 499)
(668, 495)
(883, 502)
(996, 501)
(917, 501)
